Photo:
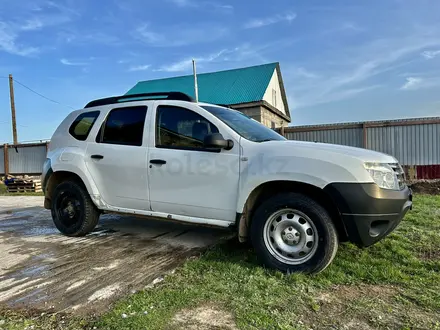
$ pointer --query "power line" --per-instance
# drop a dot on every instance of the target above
(5, 122)
(41, 95)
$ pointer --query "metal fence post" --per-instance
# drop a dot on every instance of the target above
(364, 135)
(6, 159)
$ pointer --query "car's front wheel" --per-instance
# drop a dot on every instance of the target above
(291, 232)
(73, 212)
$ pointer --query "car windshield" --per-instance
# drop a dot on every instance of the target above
(245, 126)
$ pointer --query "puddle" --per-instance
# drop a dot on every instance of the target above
(8, 222)
(40, 231)
(32, 271)
(102, 232)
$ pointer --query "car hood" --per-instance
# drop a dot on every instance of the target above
(321, 150)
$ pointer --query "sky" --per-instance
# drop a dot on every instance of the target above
(341, 61)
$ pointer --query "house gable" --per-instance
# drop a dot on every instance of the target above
(273, 93)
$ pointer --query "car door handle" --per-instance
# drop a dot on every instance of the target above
(158, 161)
(97, 156)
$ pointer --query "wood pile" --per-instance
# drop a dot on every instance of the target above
(23, 185)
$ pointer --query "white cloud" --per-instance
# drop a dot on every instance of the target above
(412, 83)
(305, 73)
(90, 37)
(149, 36)
(430, 54)
(32, 24)
(228, 7)
(201, 4)
(257, 23)
(8, 42)
(67, 8)
(29, 19)
(186, 64)
(41, 21)
(72, 63)
(183, 3)
(179, 35)
(351, 74)
(416, 83)
(139, 68)
(243, 55)
(179, 66)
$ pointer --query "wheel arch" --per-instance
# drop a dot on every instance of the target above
(55, 179)
(272, 188)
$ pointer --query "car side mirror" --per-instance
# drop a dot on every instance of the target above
(217, 141)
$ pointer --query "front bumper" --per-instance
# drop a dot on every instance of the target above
(368, 212)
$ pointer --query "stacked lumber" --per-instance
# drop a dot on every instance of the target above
(24, 185)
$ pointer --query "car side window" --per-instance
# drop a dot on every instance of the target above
(83, 124)
(181, 128)
(124, 126)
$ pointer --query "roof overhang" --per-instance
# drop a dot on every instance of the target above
(263, 104)
(283, 91)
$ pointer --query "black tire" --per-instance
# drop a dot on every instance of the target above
(327, 239)
(73, 212)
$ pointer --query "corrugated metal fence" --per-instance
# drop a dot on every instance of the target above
(22, 158)
(414, 142)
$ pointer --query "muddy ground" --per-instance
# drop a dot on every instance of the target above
(43, 270)
(431, 187)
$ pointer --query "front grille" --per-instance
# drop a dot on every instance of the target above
(400, 174)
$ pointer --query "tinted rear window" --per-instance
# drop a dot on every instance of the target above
(83, 124)
(124, 126)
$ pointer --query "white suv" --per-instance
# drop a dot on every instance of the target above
(163, 155)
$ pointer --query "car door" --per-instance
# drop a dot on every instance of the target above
(184, 177)
(116, 159)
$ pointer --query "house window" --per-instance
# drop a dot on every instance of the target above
(274, 98)
(272, 125)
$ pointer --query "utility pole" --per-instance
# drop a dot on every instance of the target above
(196, 87)
(14, 121)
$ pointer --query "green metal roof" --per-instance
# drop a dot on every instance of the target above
(235, 86)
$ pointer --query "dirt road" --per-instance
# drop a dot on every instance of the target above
(41, 269)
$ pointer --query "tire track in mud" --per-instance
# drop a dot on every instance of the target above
(48, 271)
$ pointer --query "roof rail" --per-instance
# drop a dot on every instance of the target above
(178, 96)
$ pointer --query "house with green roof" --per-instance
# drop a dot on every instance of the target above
(258, 91)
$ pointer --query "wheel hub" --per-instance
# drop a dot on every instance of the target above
(291, 236)
(68, 209)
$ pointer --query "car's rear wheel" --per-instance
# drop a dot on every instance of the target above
(291, 232)
(73, 212)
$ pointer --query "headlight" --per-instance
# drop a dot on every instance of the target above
(383, 175)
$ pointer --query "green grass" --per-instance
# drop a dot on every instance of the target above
(4, 192)
(394, 284)
(3, 189)
(34, 320)
(22, 194)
